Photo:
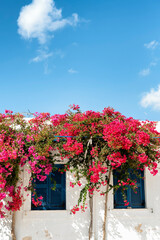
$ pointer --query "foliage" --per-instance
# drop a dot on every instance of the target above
(92, 142)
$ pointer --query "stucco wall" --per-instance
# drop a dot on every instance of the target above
(123, 224)
(5, 228)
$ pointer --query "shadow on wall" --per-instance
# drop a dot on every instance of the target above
(132, 224)
(80, 229)
(81, 220)
(64, 229)
(129, 226)
(54, 224)
(5, 228)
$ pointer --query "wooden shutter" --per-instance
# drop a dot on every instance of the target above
(118, 198)
(52, 199)
(41, 190)
(57, 197)
(136, 200)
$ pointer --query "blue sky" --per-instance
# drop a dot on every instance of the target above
(92, 53)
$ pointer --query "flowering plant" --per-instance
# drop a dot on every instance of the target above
(94, 143)
(97, 143)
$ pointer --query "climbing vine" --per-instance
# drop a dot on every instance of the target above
(94, 143)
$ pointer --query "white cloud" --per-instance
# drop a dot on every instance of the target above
(42, 55)
(153, 63)
(72, 71)
(151, 99)
(40, 18)
(145, 72)
(151, 45)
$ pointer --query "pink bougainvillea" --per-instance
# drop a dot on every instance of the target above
(93, 143)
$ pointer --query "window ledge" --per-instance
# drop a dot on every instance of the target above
(48, 214)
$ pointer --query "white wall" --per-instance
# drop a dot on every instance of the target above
(5, 228)
(123, 224)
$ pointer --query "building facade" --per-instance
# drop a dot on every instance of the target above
(51, 222)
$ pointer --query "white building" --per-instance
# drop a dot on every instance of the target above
(122, 224)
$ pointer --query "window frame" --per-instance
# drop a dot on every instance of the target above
(132, 205)
(50, 206)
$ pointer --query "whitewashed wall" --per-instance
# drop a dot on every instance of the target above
(122, 224)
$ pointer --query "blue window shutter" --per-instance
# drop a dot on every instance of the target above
(41, 190)
(52, 199)
(57, 197)
(118, 198)
(136, 200)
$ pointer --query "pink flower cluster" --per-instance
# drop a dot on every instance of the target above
(143, 158)
(58, 119)
(73, 147)
(126, 203)
(94, 152)
(74, 107)
(77, 209)
(37, 202)
(142, 138)
(128, 182)
(153, 168)
(115, 133)
(95, 170)
(17, 199)
(116, 159)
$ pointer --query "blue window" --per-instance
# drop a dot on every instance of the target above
(52, 199)
(136, 200)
